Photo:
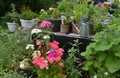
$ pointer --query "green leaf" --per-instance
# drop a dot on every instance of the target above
(88, 65)
(103, 46)
(102, 56)
(117, 54)
(112, 64)
(97, 64)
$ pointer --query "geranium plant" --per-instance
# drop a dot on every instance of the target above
(46, 57)
(103, 55)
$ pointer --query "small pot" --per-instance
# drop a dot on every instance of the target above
(26, 24)
(64, 29)
(11, 26)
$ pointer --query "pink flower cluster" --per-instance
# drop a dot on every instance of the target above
(52, 55)
(40, 61)
(55, 54)
(44, 24)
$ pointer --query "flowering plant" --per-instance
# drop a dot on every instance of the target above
(43, 15)
(47, 54)
(53, 13)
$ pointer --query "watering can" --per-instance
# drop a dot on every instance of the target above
(84, 29)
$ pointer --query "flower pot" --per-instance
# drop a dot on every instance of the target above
(56, 24)
(11, 26)
(27, 24)
(74, 30)
(64, 29)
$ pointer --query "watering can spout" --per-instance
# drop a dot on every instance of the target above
(76, 28)
(84, 29)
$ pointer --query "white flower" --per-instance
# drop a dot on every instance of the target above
(51, 8)
(18, 41)
(46, 37)
(30, 46)
(36, 53)
(106, 73)
(42, 10)
(36, 31)
(22, 66)
(95, 76)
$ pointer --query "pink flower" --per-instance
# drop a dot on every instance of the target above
(45, 24)
(38, 42)
(50, 59)
(61, 64)
(58, 58)
(60, 52)
(40, 61)
(52, 53)
(54, 45)
(55, 55)
(100, 4)
(19, 28)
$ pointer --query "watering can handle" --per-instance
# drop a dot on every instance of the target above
(74, 25)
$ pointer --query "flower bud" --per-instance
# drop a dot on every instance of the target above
(95, 76)
(106, 73)
(22, 66)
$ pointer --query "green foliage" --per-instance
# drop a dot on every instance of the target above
(43, 15)
(54, 71)
(79, 10)
(34, 5)
(11, 16)
(65, 6)
(71, 70)
(27, 14)
(103, 54)
(10, 74)
(12, 48)
(99, 15)
(53, 13)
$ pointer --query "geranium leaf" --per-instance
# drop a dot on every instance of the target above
(112, 64)
(117, 54)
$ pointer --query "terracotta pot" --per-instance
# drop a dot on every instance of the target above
(64, 29)
(74, 30)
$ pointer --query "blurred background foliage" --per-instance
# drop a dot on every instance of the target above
(35, 5)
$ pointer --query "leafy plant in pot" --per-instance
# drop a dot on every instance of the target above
(27, 18)
(78, 11)
(11, 18)
(64, 27)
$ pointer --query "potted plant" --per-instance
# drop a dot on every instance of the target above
(27, 18)
(43, 15)
(11, 18)
(78, 12)
(65, 6)
(54, 17)
(65, 21)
